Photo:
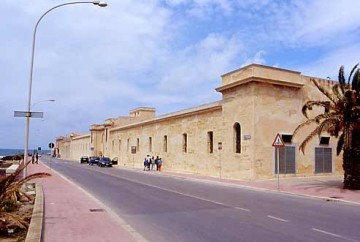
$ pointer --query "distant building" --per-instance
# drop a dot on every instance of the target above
(231, 138)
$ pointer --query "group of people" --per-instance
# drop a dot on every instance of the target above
(153, 162)
(35, 158)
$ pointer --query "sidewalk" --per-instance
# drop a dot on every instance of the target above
(70, 213)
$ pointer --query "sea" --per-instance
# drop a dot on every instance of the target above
(6, 152)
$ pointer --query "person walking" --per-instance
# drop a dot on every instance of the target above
(156, 162)
(146, 163)
(33, 159)
(159, 164)
(152, 163)
(148, 158)
(37, 158)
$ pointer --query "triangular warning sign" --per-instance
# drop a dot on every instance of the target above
(278, 142)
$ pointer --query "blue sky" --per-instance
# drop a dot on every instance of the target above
(99, 63)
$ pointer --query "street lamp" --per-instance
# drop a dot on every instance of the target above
(49, 100)
(28, 113)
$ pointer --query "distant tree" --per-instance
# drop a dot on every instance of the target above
(340, 119)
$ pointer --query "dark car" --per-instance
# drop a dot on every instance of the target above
(105, 161)
(94, 160)
(84, 159)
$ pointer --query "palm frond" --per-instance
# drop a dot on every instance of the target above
(310, 104)
(326, 124)
(324, 91)
(338, 92)
(307, 139)
(340, 144)
(17, 220)
(33, 176)
(336, 118)
(351, 72)
(355, 84)
(342, 79)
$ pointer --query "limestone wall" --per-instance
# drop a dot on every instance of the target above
(197, 157)
(257, 103)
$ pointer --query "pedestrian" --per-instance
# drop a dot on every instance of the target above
(159, 164)
(156, 162)
(148, 158)
(32, 159)
(145, 164)
(152, 163)
(37, 158)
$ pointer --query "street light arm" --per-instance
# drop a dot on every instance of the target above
(49, 100)
(101, 4)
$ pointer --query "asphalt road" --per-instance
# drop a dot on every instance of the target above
(164, 208)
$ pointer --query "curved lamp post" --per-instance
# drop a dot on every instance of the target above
(48, 100)
(28, 112)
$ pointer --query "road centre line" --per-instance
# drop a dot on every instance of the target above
(243, 209)
(335, 235)
(279, 219)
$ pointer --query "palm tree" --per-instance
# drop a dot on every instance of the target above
(341, 119)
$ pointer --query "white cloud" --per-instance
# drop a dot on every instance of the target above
(257, 59)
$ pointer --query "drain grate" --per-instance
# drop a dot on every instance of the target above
(336, 197)
(96, 210)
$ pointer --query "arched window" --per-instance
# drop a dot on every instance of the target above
(237, 138)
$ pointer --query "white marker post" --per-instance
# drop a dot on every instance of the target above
(220, 148)
(278, 142)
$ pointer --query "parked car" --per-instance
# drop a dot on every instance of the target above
(84, 159)
(94, 160)
(105, 161)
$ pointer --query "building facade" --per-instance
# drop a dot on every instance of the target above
(231, 138)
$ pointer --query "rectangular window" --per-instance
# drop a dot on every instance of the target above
(323, 160)
(137, 144)
(106, 134)
(287, 160)
(165, 143)
(210, 142)
(119, 144)
(150, 144)
(185, 143)
(286, 138)
(324, 140)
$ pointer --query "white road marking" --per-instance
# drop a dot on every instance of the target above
(279, 219)
(243, 209)
(335, 235)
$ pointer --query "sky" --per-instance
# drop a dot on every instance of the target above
(99, 63)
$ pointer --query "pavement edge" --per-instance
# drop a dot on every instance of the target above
(34, 233)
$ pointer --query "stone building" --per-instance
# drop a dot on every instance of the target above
(231, 138)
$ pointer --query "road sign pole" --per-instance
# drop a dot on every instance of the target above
(278, 168)
(50, 159)
(278, 142)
